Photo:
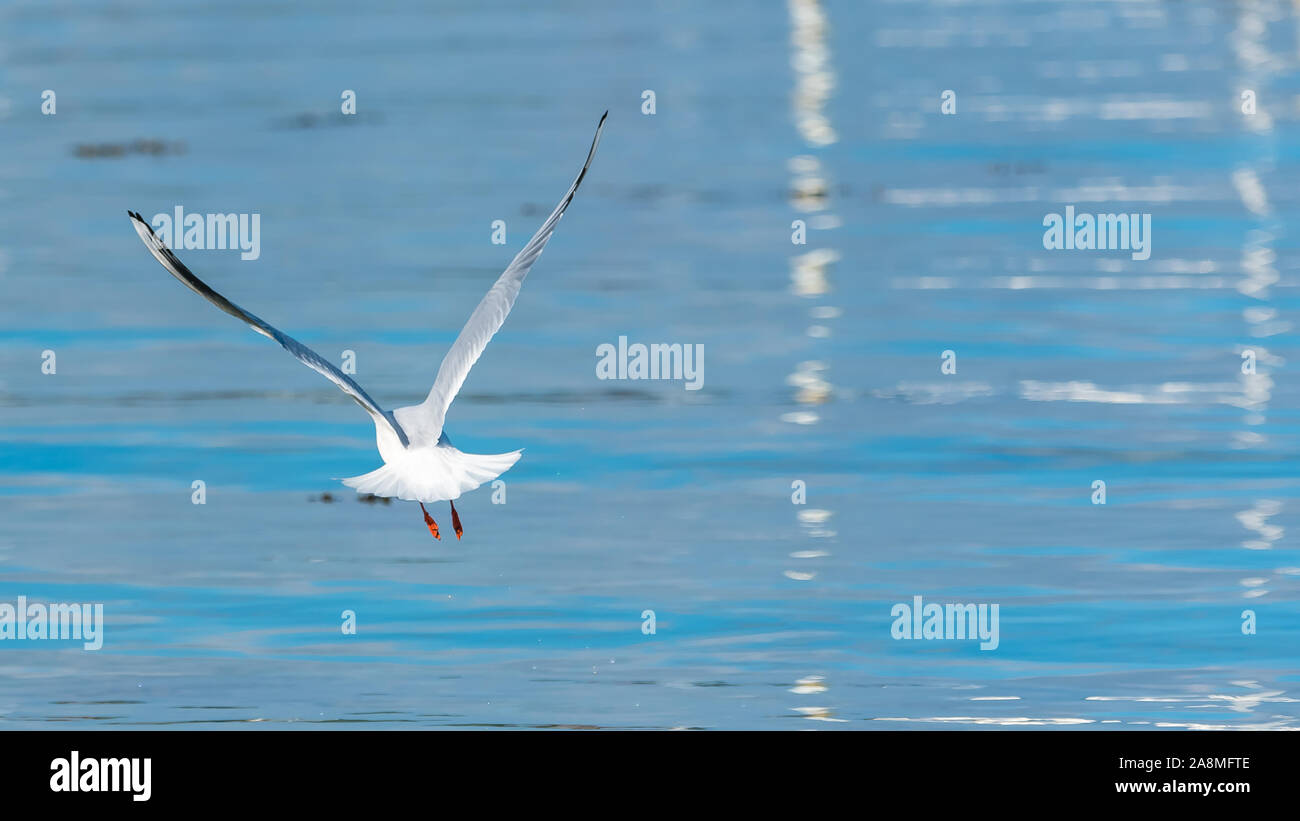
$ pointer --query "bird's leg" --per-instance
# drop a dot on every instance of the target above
(428, 520)
(455, 521)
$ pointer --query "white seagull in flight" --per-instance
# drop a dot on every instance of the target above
(420, 463)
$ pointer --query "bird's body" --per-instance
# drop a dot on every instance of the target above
(428, 472)
(420, 463)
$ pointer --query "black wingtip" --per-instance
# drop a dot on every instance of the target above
(603, 116)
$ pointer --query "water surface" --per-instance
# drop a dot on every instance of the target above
(822, 364)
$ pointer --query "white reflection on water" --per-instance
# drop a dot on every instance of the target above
(1258, 259)
(819, 714)
(809, 272)
(1168, 393)
(1016, 721)
(814, 685)
(1237, 703)
(809, 684)
(812, 388)
(814, 79)
(1256, 519)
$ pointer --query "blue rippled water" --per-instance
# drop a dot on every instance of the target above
(822, 363)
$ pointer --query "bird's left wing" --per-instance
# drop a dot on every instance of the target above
(304, 354)
(487, 319)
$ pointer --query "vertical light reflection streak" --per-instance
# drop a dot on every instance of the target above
(810, 272)
(1257, 263)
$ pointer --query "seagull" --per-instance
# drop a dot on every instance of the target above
(420, 462)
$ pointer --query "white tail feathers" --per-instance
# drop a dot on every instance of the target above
(436, 474)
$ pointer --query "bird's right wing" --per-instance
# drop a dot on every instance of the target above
(304, 354)
(487, 319)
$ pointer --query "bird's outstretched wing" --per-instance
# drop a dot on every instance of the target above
(304, 354)
(426, 422)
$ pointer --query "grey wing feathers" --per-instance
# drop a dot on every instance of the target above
(304, 354)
